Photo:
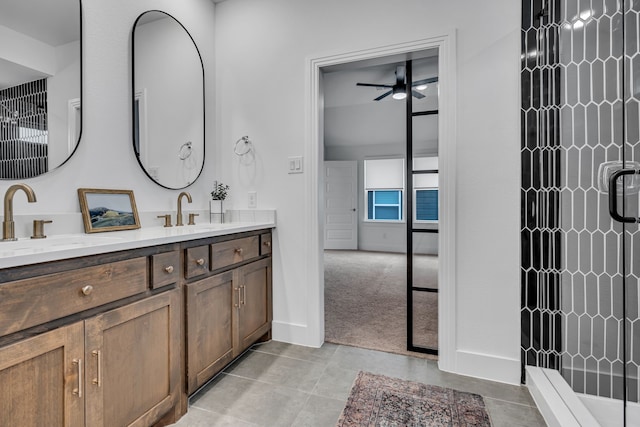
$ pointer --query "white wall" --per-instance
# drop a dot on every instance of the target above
(105, 158)
(62, 87)
(24, 51)
(263, 48)
(379, 236)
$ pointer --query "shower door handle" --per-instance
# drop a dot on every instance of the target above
(613, 195)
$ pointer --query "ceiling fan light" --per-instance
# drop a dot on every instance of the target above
(421, 87)
(399, 93)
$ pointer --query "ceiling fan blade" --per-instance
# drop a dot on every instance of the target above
(417, 94)
(384, 95)
(425, 81)
(373, 85)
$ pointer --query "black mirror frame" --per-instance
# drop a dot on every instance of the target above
(133, 100)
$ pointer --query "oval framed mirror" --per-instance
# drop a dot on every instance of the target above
(40, 85)
(168, 101)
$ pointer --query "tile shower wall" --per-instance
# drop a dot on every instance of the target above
(23, 130)
(541, 185)
(571, 285)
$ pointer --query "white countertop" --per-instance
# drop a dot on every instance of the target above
(26, 251)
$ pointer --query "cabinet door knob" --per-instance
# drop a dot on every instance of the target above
(169, 269)
(200, 261)
(86, 290)
(238, 251)
(267, 244)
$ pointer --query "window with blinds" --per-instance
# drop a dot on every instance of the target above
(425, 185)
(427, 205)
(384, 188)
(384, 205)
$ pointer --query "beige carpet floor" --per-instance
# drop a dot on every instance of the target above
(366, 304)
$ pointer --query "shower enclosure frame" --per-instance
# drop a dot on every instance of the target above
(580, 110)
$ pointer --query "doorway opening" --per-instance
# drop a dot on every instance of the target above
(381, 202)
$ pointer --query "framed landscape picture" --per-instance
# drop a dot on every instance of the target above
(108, 210)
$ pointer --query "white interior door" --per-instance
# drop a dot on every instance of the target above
(341, 205)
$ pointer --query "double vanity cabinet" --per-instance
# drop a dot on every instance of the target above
(122, 338)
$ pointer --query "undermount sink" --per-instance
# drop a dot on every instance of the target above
(209, 226)
(198, 228)
(58, 242)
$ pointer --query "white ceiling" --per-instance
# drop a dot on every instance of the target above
(353, 118)
(54, 22)
(340, 87)
(12, 74)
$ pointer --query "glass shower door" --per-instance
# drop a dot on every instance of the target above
(580, 205)
(599, 202)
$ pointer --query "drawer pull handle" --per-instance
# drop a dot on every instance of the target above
(200, 261)
(267, 244)
(169, 269)
(86, 290)
(238, 251)
(98, 381)
(78, 391)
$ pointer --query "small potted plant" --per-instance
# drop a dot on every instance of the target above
(220, 191)
(218, 195)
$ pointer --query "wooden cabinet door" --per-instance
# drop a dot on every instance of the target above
(41, 380)
(210, 306)
(133, 362)
(254, 311)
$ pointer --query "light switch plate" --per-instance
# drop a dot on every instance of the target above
(295, 164)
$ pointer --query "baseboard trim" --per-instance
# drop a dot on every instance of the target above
(293, 333)
(488, 367)
(373, 247)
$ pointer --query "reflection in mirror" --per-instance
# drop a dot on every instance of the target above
(40, 85)
(168, 104)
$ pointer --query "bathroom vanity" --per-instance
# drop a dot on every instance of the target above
(118, 331)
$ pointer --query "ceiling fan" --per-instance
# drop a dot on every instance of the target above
(398, 89)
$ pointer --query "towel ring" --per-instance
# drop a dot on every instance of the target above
(185, 150)
(243, 149)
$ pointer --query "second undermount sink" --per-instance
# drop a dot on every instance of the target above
(211, 226)
(198, 228)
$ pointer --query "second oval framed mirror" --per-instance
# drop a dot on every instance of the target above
(168, 101)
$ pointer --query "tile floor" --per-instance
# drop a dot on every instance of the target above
(277, 384)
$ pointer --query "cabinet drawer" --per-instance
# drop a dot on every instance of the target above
(196, 261)
(224, 254)
(265, 243)
(165, 269)
(30, 302)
